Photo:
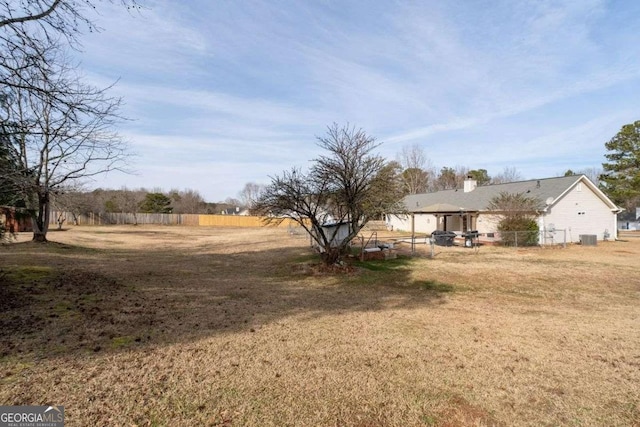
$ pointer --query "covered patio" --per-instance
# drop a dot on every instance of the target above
(449, 217)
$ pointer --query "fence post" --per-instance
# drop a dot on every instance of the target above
(516, 239)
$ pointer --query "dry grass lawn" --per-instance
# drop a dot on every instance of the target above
(239, 327)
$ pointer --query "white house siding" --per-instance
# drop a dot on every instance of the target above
(424, 223)
(581, 211)
(398, 222)
(427, 223)
(488, 223)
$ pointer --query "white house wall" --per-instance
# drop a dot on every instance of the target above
(427, 223)
(581, 211)
(488, 223)
(398, 222)
(424, 223)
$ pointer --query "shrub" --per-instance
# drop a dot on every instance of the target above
(519, 231)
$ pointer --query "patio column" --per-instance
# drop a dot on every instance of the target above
(413, 233)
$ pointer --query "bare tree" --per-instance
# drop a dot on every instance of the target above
(52, 17)
(592, 173)
(28, 28)
(250, 194)
(187, 202)
(31, 35)
(462, 172)
(98, 200)
(73, 199)
(418, 171)
(347, 186)
(232, 202)
(59, 142)
(129, 201)
(509, 174)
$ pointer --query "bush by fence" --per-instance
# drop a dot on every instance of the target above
(519, 238)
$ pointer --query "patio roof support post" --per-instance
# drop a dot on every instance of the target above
(413, 233)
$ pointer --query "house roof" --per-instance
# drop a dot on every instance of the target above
(443, 208)
(547, 190)
(232, 210)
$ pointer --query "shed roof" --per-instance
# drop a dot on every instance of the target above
(545, 190)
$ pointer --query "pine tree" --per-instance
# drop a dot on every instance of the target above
(621, 177)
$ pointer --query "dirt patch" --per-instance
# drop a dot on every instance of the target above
(67, 311)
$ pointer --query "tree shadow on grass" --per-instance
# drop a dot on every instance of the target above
(59, 302)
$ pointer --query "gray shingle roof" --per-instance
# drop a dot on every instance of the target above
(479, 198)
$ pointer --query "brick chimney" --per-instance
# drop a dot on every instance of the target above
(470, 184)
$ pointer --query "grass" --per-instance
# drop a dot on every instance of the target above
(28, 274)
(386, 266)
(221, 326)
(435, 286)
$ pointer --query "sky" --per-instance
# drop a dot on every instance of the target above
(222, 93)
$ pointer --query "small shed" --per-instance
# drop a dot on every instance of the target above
(336, 232)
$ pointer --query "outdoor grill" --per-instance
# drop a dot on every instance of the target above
(443, 238)
(469, 236)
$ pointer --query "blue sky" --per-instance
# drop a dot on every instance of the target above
(222, 93)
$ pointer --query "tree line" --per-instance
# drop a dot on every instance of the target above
(419, 175)
(79, 202)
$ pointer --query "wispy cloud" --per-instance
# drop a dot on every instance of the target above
(245, 87)
(592, 84)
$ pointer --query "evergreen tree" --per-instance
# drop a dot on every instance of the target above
(621, 177)
(156, 203)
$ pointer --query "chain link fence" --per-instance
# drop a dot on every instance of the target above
(528, 238)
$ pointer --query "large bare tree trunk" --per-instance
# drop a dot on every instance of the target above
(40, 219)
(331, 256)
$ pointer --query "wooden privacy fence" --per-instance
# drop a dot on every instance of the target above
(112, 218)
(165, 219)
(240, 221)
